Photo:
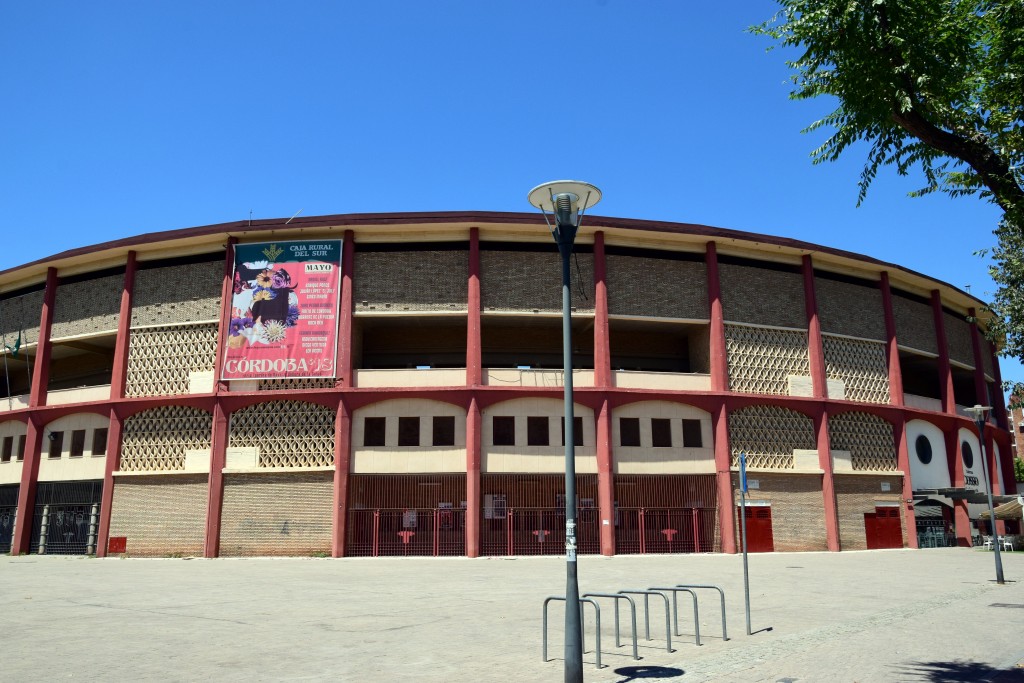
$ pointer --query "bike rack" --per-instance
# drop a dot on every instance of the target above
(675, 609)
(583, 642)
(632, 608)
(647, 614)
(725, 634)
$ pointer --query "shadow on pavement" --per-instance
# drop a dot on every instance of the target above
(961, 672)
(636, 673)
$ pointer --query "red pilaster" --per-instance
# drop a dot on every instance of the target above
(602, 343)
(828, 488)
(998, 400)
(980, 386)
(473, 503)
(215, 496)
(719, 363)
(892, 348)
(815, 349)
(945, 369)
(956, 476)
(112, 464)
(124, 326)
(903, 462)
(41, 369)
(342, 465)
(723, 478)
(606, 478)
(226, 292)
(346, 364)
(474, 369)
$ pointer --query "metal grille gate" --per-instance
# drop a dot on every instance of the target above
(666, 514)
(66, 518)
(8, 514)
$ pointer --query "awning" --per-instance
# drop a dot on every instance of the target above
(958, 493)
(1012, 510)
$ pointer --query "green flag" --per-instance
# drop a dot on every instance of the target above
(17, 345)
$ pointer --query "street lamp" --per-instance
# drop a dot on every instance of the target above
(567, 201)
(979, 419)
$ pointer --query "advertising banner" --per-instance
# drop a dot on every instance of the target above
(284, 310)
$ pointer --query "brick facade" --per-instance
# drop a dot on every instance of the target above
(20, 314)
(411, 280)
(87, 307)
(531, 281)
(277, 514)
(798, 518)
(958, 338)
(160, 516)
(186, 293)
(659, 288)
(762, 296)
(857, 494)
(915, 323)
(850, 309)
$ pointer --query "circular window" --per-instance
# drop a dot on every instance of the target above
(968, 455)
(923, 447)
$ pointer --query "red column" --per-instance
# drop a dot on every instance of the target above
(998, 400)
(346, 364)
(602, 344)
(956, 476)
(719, 362)
(473, 440)
(226, 292)
(903, 462)
(112, 464)
(892, 348)
(124, 325)
(342, 465)
(945, 369)
(474, 369)
(215, 496)
(723, 478)
(815, 350)
(980, 386)
(22, 538)
(606, 478)
(828, 489)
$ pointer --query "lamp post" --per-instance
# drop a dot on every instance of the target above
(568, 200)
(979, 419)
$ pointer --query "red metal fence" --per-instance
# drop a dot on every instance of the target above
(538, 531)
(666, 530)
(393, 532)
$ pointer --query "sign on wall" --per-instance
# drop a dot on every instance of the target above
(284, 310)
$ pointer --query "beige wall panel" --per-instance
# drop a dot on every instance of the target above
(525, 458)
(66, 468)
(10, 472)
(645, 459)
(160, 516)
(177, 294)
(857, 494)
(659, 288)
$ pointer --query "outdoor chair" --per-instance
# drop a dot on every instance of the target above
(1007, 543)
(987, 543)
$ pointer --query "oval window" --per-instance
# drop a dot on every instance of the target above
(923, 447)
(968, 455)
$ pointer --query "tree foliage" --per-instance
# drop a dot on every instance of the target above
(1018, 469)
(934, 85)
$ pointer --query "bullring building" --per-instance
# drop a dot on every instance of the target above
(391, 384)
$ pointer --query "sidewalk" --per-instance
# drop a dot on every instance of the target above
(899, 615)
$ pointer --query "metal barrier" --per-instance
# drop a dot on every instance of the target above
(725, 633)
(583, 641)
(647, 615)
(675, 609)
(632, 609)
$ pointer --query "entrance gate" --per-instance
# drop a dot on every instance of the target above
(66, 518)
(759, 528)
(8, 513)
(882, 528)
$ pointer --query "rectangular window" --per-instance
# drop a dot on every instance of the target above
(21, 448)
(577, 431)
(77, 443)
(444, 430)
(504, 429)
(8, 449)
(537, 431)
(691, 434)
(56, 444)
(99, 441)
(629, 431)
(373, 431)
(408, 431)
(661, 433)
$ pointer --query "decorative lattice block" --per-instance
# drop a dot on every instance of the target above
(158, 439)
(286, 433)
(161, 358)
(868, 438)
(761, 359)
(861, 365)
(769, 435)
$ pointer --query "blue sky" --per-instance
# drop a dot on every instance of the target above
(121, 118)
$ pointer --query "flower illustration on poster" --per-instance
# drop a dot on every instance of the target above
(264, 304)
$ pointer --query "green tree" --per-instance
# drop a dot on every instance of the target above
(1018, 469)
(932, 85)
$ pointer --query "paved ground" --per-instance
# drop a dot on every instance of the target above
(929, 615)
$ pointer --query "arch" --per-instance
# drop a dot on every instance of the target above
(970, 455)
(285, 433)
(769, 435)
(869, 439)
(683, 453)
(12, 444)
(158, 439)
(521, 456)
(926, 444)
(391, 410)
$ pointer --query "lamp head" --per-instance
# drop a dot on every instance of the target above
(568, 200)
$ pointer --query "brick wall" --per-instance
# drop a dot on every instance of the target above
(850, 309)
(762, 296)
(915, 324)
(798, 509)
(659, 288)
(87, 307)
(160, 516)
(177, 294)
(411, 280)
(958, 336)
(21, 314)
(529, 280)
(277, 514)
(855, 495)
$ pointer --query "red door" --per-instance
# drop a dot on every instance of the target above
(759, 529)
(882, 528)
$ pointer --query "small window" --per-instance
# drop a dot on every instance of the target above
(444, 430)
(504, 429)
(629, 431)
(8, 449)
(99, 441)
(923, 448)
(77, 443)
(968, 455)
(56, 443)
(577, 431)
(373, 431)
(537, 431)
(691, 434)
(408, 431)
(21, 448)
(661, 433)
